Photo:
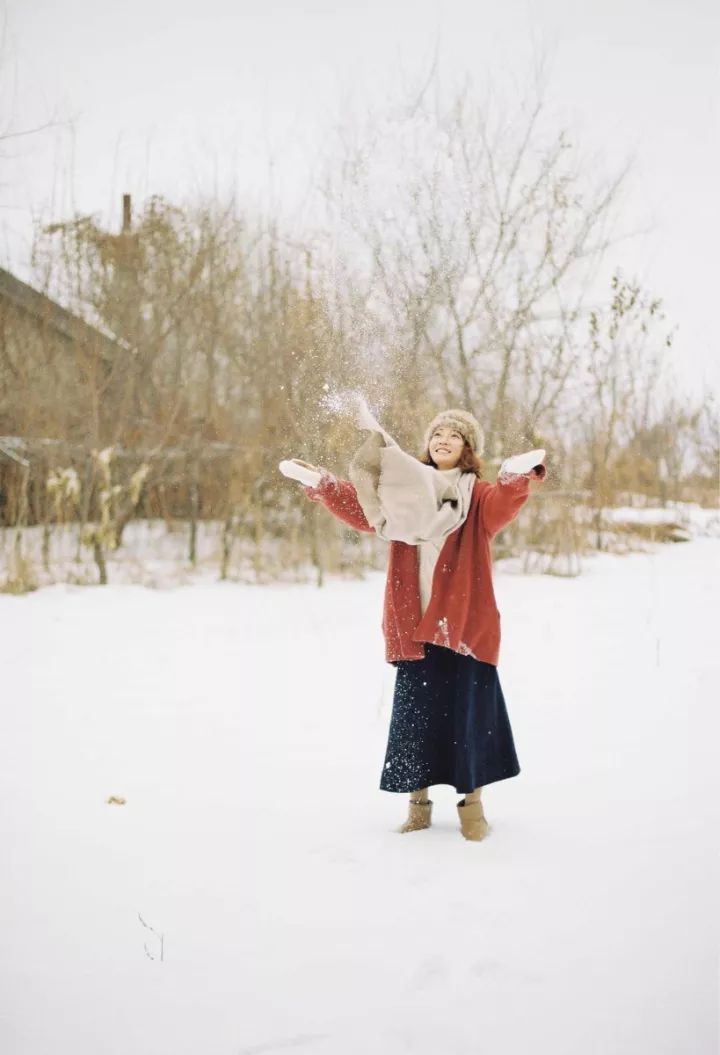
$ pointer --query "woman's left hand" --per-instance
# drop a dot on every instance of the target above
(525, 464)
(528, 466)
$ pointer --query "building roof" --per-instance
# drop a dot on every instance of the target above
(64, 323)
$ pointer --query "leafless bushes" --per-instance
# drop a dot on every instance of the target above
(456, 264)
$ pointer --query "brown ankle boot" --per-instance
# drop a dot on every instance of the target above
(472, 820)
(419, 816)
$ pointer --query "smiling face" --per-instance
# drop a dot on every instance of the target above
(446, 447)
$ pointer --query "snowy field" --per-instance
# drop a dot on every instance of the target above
(156, 553)
(245, 727)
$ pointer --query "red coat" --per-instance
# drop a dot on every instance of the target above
(462, 614)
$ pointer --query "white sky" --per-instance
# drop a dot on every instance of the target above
(167, 97)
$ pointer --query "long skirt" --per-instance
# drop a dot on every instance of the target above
(449, 725)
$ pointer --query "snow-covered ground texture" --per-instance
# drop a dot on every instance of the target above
(245, 728)
(156, 553)
(681, 520)
(696, 519)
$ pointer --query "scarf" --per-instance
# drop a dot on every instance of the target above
(404, 500)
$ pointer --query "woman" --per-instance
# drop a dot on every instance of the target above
(449, 722)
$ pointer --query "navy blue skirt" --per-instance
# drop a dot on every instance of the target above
(449, 725)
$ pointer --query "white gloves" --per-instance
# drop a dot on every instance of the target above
(310, 475)
(520, 464)
(303, 472)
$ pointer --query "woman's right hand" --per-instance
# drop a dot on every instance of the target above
(312, 468)
(304, 472)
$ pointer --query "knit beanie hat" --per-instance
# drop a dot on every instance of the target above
(466, 425)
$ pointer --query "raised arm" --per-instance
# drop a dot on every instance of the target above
(340, 498)
(501, 502)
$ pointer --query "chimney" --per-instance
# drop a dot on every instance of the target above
(127, 214)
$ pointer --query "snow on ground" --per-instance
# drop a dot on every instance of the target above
(156, 552)
(246, 727)
(696, 519)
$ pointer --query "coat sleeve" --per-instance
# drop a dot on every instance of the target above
(502, 501)
(340, 498)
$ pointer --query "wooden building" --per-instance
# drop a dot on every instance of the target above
(49, 358)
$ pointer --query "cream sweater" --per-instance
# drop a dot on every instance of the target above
(428, 552)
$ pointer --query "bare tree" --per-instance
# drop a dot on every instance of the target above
(624, 363)
(481, 234)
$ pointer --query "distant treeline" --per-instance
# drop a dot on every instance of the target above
(452, 264)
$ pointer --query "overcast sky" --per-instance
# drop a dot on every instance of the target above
(168, 97)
